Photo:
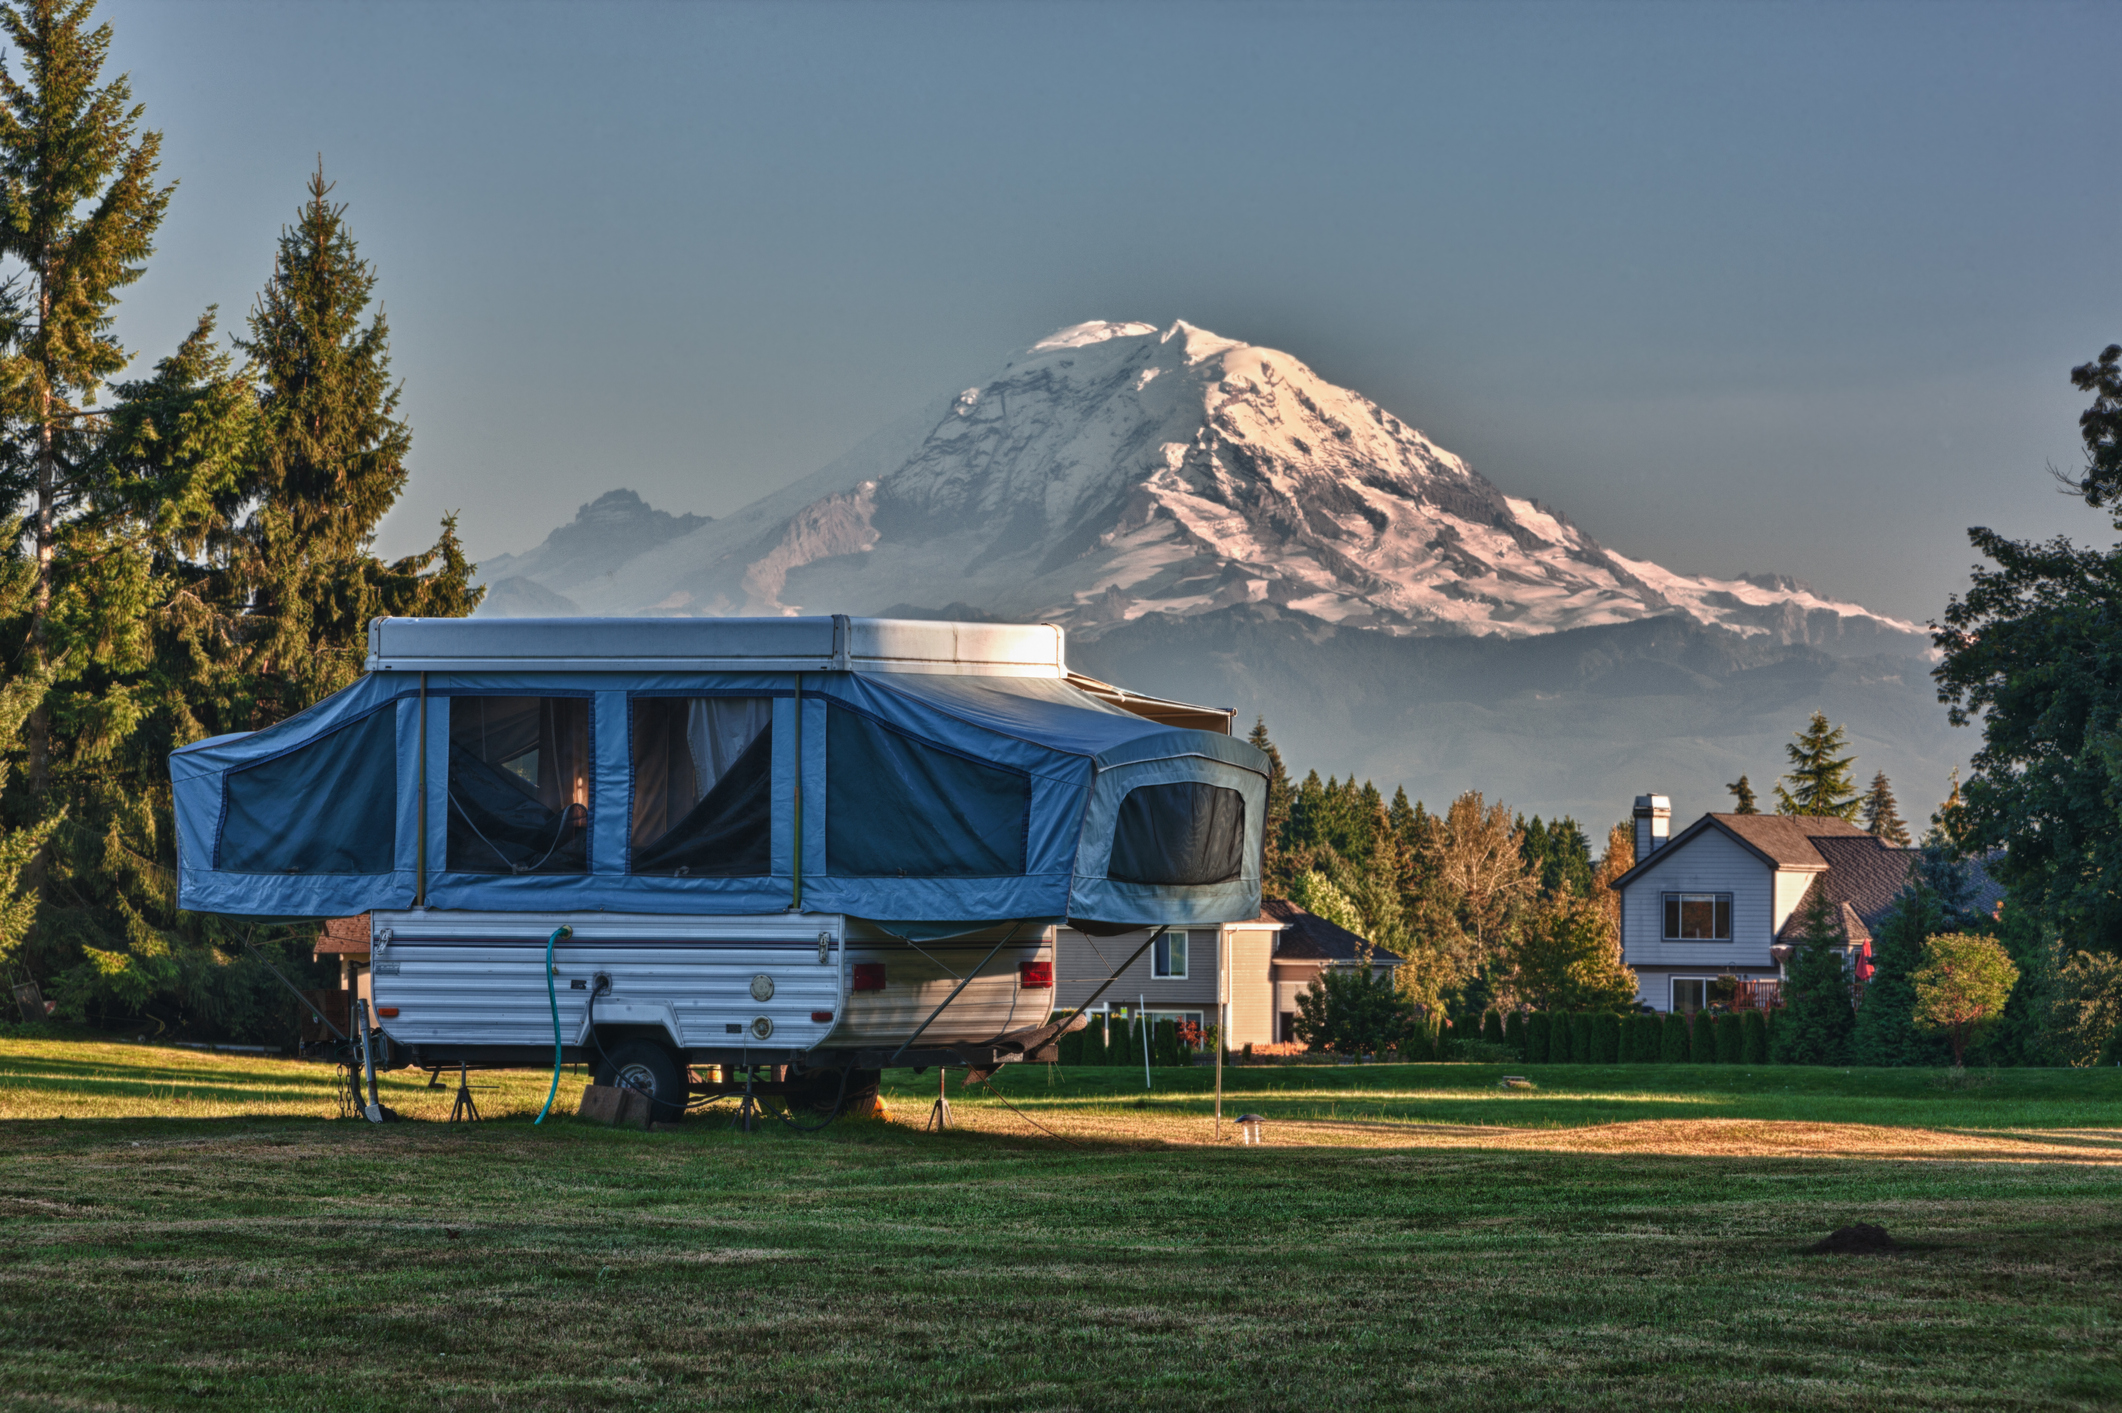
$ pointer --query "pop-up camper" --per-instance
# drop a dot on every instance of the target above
(832, 844)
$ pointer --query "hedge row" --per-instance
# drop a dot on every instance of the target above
(1118, 1042)
(1602, 1038)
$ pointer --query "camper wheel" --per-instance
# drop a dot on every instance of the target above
(652, 1069)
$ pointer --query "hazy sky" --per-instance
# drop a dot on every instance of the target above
(1738, 287)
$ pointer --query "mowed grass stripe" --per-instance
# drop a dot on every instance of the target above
(259, 1262)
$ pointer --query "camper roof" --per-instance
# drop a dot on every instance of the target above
(836, 643)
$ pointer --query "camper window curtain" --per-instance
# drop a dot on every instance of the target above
(703, 786)
(897, 805)
(519, 777)
(330, 806)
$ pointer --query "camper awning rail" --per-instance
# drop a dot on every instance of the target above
(837, 643)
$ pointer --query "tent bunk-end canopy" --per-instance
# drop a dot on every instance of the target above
(951, 773)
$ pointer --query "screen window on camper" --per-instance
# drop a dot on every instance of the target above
(703, 786)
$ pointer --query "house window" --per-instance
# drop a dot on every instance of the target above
(1690, 994)
(1168, 961)
(1698, 917)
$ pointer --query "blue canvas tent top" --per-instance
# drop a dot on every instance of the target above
(945, 773)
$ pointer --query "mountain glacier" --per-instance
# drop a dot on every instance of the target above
(1212, 520)
(1112, 471)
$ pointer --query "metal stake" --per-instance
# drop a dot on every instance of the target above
(939, 1112)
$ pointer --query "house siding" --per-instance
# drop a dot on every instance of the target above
(1252, 1014)
(1790, 888)
(1082, 963)
(1711, 862)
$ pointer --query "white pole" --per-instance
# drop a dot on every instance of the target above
(1142, 1014)
(1222, 1016)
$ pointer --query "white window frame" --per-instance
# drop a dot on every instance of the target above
(1716, 900)
(1160, 957)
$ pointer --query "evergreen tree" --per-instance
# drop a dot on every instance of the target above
(331, 463)
(1514, 1034)
(240, 505)
(1885, 1031)
(1754, 1049)
(1672, 1037)
(78, 212)
(19, 696)
(1742, 793)
(1274, 880)
(1816, 1024)
(1702, 1038)
(1537, 1028)
(1818, 779)
(1882, 816)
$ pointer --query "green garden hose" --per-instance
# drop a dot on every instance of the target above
(553, 997)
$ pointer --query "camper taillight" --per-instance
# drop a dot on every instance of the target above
(869, 976)
(1035, 976)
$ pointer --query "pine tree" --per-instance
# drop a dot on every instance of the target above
(1274, 880)
(1817, 1021)
(1882, 816)
(1885, 1031)
(1819, 782)
(331, 463)
(1742, 793)
(19, 696)
(78, 212)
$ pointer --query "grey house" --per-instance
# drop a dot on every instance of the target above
(1265, 963)
(1712, 900)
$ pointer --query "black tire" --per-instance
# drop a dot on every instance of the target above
(651, 1068)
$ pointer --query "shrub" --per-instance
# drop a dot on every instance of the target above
(1514, 1034)
(1580, 1038)
(1962, 986)
(1672, 1038)
(1120, 1049)
(1605, 1038)
(1731, 1040)
(1492, 1027)
(1480, 1051)
(1536, 1038)
(1164, 1043)
(1353, 1013)
(1755, 1050)
(1092, 1049)
(1646, 1033)
(1071, 1048)
(1702, 1038)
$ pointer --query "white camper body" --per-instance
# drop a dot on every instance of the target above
(720, 990)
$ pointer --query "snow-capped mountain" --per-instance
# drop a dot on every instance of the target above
(1112, 471)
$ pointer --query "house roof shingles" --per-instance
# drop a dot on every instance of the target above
(1309, 937)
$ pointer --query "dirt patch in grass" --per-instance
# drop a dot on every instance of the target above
(1720, 1138)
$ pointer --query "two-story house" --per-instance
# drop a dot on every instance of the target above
(1712, 900)
(1265, 964)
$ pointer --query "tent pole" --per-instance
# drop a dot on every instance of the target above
(1222, 1016)
(795, 902)
(420, 866)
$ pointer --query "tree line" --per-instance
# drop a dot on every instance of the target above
(193, 549)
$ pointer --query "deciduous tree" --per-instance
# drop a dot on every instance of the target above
(1962, 986)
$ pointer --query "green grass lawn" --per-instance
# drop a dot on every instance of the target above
(252, 1253)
